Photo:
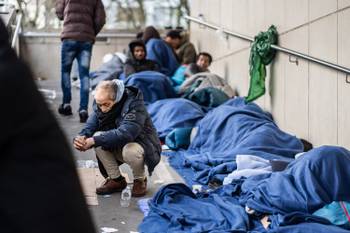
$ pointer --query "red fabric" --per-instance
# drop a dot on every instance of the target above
(345, 210)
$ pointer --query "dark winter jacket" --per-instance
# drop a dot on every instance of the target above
(40, 189)
(132, 65)
(186, 53)
(82, 19)
(133, 124)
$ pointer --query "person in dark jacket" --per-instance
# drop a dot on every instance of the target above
(137, 61)
(82, 21)
(40, 190)
(186, 51)
(121, 131)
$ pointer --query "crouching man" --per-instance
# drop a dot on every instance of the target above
(121, 131)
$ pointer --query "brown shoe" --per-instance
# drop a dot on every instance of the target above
(111, 186)
(140, 188)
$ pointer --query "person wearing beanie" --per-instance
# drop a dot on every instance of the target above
(137, 61)
(186, 52)
(121, 131)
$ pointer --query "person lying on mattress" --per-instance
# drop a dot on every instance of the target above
(121, 131)
(137, 61)
(202, 64)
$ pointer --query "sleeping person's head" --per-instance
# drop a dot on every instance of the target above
(138, 50)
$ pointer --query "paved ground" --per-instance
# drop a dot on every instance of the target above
(108, 213)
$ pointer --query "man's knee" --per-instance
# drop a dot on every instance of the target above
(132, 152)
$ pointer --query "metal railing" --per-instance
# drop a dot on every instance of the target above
(57, 35)
(16, 32)
(276, 47)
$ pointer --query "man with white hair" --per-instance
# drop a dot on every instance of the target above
(121, 131)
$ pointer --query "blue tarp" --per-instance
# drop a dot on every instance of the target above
(230, 129)
(169, 114)
(315, 179)
(154, 85)
(160, 52)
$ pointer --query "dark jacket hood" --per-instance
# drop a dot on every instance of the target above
(132, 46)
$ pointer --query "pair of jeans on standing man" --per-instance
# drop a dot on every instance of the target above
(81, 51)
(82, 21)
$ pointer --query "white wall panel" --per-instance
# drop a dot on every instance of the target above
(319, 8)
(296, 13)
(323, 83)
(296, 84)
(343, 87)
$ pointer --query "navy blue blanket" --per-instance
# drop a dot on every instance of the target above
(230, 129)
(154, 85)
(317, 178)
(160, 52)
(169, 114)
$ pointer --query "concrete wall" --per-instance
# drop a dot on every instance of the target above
(307, 99)
(44, 53)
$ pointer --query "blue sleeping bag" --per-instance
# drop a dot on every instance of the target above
(169, 114)
(160, 52)
(154, 85)
(314, 180)
(230, 129)
(176, 209)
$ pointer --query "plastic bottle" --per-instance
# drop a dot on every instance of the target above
(125, 197)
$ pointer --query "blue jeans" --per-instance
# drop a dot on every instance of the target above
(72, 49)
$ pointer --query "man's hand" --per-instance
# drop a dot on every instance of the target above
(79, 143)
(89, 142)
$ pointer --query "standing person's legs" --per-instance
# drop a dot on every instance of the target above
(84, 57)
(68, 53)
